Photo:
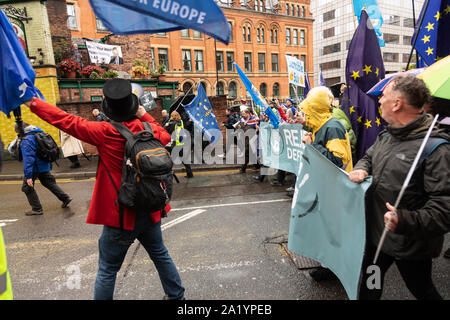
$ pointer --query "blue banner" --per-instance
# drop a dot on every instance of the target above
(124, 17)
(258, 98)
(202, 114)
(16, 73)
(374, 12)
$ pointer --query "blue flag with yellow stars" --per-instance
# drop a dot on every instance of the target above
(433, 36)
(202, 115)
(363, 70)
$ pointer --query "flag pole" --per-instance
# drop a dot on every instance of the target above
(405, 184)
(414, 25)
(417, 34)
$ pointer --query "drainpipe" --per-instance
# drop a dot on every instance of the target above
(79, 90)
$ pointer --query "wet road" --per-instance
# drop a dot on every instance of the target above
(224, 233)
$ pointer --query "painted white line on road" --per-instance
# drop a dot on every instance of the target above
(231, 204)
(6, 221)
(181, 219)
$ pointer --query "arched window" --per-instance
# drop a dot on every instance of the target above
(220, 89)
(274, 36)
(263, 89)
(287, 9)
(205, 86)
(232, 90)
(186, 87)
(260, 36)
(276, 89)
(246, 35)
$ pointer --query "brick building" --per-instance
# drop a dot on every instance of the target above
(262, 33)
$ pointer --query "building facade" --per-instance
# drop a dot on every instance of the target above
(263, 32)
(335, 24)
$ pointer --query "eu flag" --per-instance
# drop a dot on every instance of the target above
(307, 85)
(16, 74)
(363, 70)
(257, 97)
(202, 114)
(432, 39)
(132, 17)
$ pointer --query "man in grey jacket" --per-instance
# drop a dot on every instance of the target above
(418, 225)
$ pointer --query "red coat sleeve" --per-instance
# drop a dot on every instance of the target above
(158, 131)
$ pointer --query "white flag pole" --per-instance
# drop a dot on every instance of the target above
(405, 184)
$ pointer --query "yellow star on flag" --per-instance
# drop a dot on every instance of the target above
(429, 51)
(430, 26)
(355, 75)
(367, 69)
(352, 109)
(377, 72)
(368, 123)
(359, 119)
(200, 103)
(447, 10)
(437, 16)
(378, 122)
(426, 39)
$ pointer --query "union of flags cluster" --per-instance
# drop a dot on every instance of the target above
(432, 39)
(363, 70)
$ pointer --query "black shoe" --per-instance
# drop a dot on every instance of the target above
(447, 254)
(258, 178)
(290, 194)
(242, 170)
(75, 165)
(66, 203)
(188, 176)
(320, 274)
(34, 212)
(276, 183)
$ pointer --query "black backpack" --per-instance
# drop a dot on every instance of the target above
(147, 177)
(46, 147)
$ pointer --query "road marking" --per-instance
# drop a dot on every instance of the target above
(12, 182)
(6, 221)
(231, 204)
(181, 219)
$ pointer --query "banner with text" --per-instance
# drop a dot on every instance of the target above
(296, 71)
(104, 53)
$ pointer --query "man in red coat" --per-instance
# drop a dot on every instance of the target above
(122, 106)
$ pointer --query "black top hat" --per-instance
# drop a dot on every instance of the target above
(119, 104)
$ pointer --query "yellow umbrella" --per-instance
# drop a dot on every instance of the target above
(437, 78)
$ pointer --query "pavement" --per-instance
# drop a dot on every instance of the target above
(13, 170)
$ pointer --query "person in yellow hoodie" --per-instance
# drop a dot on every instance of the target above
(328, 135)
(330, 138)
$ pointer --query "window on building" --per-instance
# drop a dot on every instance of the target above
(391, 38)
(274, 57)
(163, 57)
(407, 40)
(347, 44)
(100, 26)
(293, 10)
(196, 34)
(390, 57)
(276, 90)
(274, 36)
(249, 38)
(405, 57)
(205, 86)
(298, 11)
(288, 36)
(230, 60)
(263, 89)
(328, 33)
(332, 48)
(232, 90)
(302, 37)
(330, 81)
(248, 61)
(231, 28)
(287, 9)
(408, 23)
(246, 33)
(219, 61)
(152, 55)
(71, 17)
(295, 37)
(303, 58)
(261, 62)
(198, 60)
(220, 89)
(263, 37)
(187, 61)
(303, 12)
(392, 20)
(329, 15)
(336, 64)
(184, 33)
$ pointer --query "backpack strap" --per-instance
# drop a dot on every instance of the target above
(430, 146)
(123, 130)
(148, 127)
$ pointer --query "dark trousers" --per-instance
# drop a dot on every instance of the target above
(73, 159)
(415, 273)
(48, 181)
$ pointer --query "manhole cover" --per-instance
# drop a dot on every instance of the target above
(301, 262)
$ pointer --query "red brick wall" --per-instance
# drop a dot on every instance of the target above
(57, 16)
